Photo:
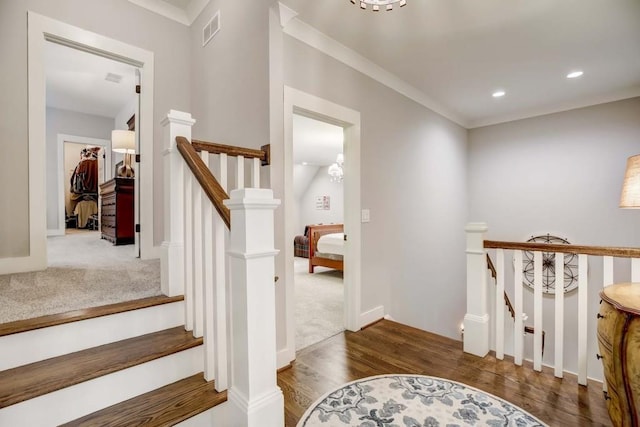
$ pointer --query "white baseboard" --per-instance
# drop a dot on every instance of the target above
(55, 232)
(373, 315)
(284, 357)
(21, 264)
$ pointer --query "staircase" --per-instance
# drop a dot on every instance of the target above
(119, 365)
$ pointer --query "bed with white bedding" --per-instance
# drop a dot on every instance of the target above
(326, 246)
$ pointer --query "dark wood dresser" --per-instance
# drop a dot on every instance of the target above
(117, 214)
(619, 343)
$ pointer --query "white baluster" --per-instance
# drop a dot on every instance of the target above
(518, 328)
(198, 273)
(559, 320)
(499, 306)
(208, 284)
(537, 311)
(239, 172)
(607, 271)
(220, 283)
(583, 293)
(255, 173)
(188, 250)
(635, 269)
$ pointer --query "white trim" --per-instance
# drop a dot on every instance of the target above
(371, 316)
(62, 138)
(312, 106)
(40, 29)
(305, 33)
(557, 108)
(185, 17)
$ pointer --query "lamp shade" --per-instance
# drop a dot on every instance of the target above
(123, 141)
(630, 197)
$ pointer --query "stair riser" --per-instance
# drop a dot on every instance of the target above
(214, 417)
(82, 399)
(40, 344)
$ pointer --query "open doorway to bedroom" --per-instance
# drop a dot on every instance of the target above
(87, 96)
(318, 187)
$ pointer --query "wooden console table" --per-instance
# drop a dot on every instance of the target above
(117, 211)
(619, 343)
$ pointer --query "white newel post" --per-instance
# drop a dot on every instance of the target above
(254, 396)
(476, 321)
(177, 123)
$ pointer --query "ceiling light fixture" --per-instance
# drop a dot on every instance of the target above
(574, 74)
(377, 4)
(335, 171)
(498, 93)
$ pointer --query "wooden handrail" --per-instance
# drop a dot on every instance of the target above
(567, 249)
(230, 150)
(209, 183)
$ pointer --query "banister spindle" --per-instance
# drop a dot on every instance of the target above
(537, 311)
(239, 172)
(518, 329)
(583, 294)
(208, 283)
(499, 305)
(255, 172)
(198, 273)
(635, 269)
(607, 271)
(188, 250)
(559, 317)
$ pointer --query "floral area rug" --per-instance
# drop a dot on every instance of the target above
(413, 401)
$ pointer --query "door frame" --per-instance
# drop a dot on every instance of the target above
(302, 103)
(62, 138)
(42, 29)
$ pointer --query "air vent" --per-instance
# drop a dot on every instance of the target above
(211, 28)
(115, 78)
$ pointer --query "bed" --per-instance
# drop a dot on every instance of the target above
(326, 246)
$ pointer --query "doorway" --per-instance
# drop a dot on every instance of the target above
(318, 187)
(299, 103)
(43, 30)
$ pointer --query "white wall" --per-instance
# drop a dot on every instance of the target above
(413, 181)
(559, 174)
(320, 185)
(117, 19)
(69, 123)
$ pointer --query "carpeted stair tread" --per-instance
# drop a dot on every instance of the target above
(39, 378)
(165, 406)
(88, 313)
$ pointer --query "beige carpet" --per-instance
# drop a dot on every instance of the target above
(84, 271)
(319, 303)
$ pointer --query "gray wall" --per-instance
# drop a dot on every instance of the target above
(69, 123)
(118, 19)
(559, 174)
(413, 181)
(230, 75)
(320, 185)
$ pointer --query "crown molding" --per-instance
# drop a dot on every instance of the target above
(185, 17)
(558, 108)
(309, 35)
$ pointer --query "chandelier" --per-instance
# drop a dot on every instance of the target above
(335, 170)
(376, 4)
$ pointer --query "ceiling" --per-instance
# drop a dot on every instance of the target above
(453, 53)
(314, 142)
(458, 52)
(76, 81)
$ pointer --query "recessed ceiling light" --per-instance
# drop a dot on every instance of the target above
(304, 163)
(574, 74)
(498, 93)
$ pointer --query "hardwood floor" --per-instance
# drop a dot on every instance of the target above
(388, 347)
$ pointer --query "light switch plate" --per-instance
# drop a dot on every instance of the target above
(366, 215)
